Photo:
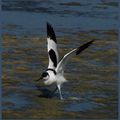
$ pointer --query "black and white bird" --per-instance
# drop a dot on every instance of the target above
(56, 67)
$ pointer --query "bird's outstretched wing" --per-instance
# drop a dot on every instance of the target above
(77, 51)
(52, 47)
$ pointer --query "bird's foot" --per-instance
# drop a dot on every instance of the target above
(61, 98)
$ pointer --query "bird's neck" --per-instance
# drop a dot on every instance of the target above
(50, 69)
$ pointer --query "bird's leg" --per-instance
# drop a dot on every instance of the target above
(59, 88)
(54, 90)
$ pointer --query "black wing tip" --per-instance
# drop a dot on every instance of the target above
(50, 32)
(48, 25)
(81, 48)
(49, 28)
(91, 41)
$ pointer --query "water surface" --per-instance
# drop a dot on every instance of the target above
(92, 88)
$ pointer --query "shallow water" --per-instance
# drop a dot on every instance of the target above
(92, 88)
(24, 18)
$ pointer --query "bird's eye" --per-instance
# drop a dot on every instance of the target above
(45, 74)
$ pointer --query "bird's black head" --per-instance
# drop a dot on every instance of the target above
(44, 76)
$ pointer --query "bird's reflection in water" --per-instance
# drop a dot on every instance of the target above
(47, 92)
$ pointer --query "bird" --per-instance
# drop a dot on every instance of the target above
(55, 70)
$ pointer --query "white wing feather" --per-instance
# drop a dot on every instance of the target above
(61, 65)
(52, 47)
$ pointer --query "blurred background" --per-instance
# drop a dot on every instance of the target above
(92, 90)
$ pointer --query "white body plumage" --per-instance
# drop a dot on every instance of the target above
(55, 71)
